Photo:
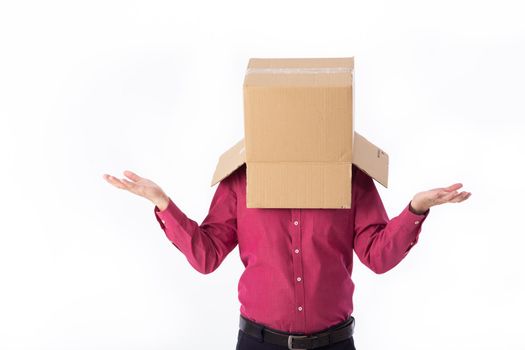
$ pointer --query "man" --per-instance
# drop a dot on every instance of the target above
(296, 291)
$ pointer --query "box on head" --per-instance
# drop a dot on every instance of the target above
(299, 141)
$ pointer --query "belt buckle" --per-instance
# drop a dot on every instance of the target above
(291, 337)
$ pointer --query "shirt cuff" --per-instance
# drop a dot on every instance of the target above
(171, 215)
(414, 221)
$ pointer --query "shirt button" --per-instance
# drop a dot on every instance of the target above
(300, 308)
(297, 251)
(296, 222)
(416, 222)
(298, 279)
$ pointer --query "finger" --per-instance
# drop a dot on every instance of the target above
(466, 197)
(442, 193)
(453, 187)
(448, 197)
(128, 184)
(132, 175)
(114, 181)
(460, 197)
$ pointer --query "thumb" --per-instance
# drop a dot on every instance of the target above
(132, 175)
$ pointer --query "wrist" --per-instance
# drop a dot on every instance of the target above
(415, 209)
(162, 202)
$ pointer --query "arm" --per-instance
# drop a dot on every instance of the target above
(381, 243)
(206, 245)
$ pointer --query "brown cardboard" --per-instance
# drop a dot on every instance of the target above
(371, 159)
(229, 161)
(366, 156)
(299, 140)
(298, 127)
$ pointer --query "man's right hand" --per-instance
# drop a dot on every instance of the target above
(141, 187)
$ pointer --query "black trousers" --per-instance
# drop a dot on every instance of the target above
(248, 342)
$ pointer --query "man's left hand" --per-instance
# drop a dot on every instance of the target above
(422, 201)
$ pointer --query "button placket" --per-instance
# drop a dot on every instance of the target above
(296, 224)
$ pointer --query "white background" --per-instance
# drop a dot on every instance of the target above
(93, 87)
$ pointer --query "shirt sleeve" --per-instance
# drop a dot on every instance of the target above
(379, 242)
(206, 245)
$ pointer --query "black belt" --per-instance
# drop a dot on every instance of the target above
(325, 337)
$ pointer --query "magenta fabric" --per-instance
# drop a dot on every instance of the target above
(298, 262)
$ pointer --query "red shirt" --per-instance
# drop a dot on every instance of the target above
(298, 261)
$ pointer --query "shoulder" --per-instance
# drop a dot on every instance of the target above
(361, 181)
(357, 174)
(235, 179)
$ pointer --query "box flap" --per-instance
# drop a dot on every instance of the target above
(229, 161)
(371, 159)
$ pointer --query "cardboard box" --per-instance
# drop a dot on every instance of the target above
(300, 143)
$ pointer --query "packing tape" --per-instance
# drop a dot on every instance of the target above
(297, 70)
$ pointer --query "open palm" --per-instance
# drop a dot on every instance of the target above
(426, 199)
(138, 185)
